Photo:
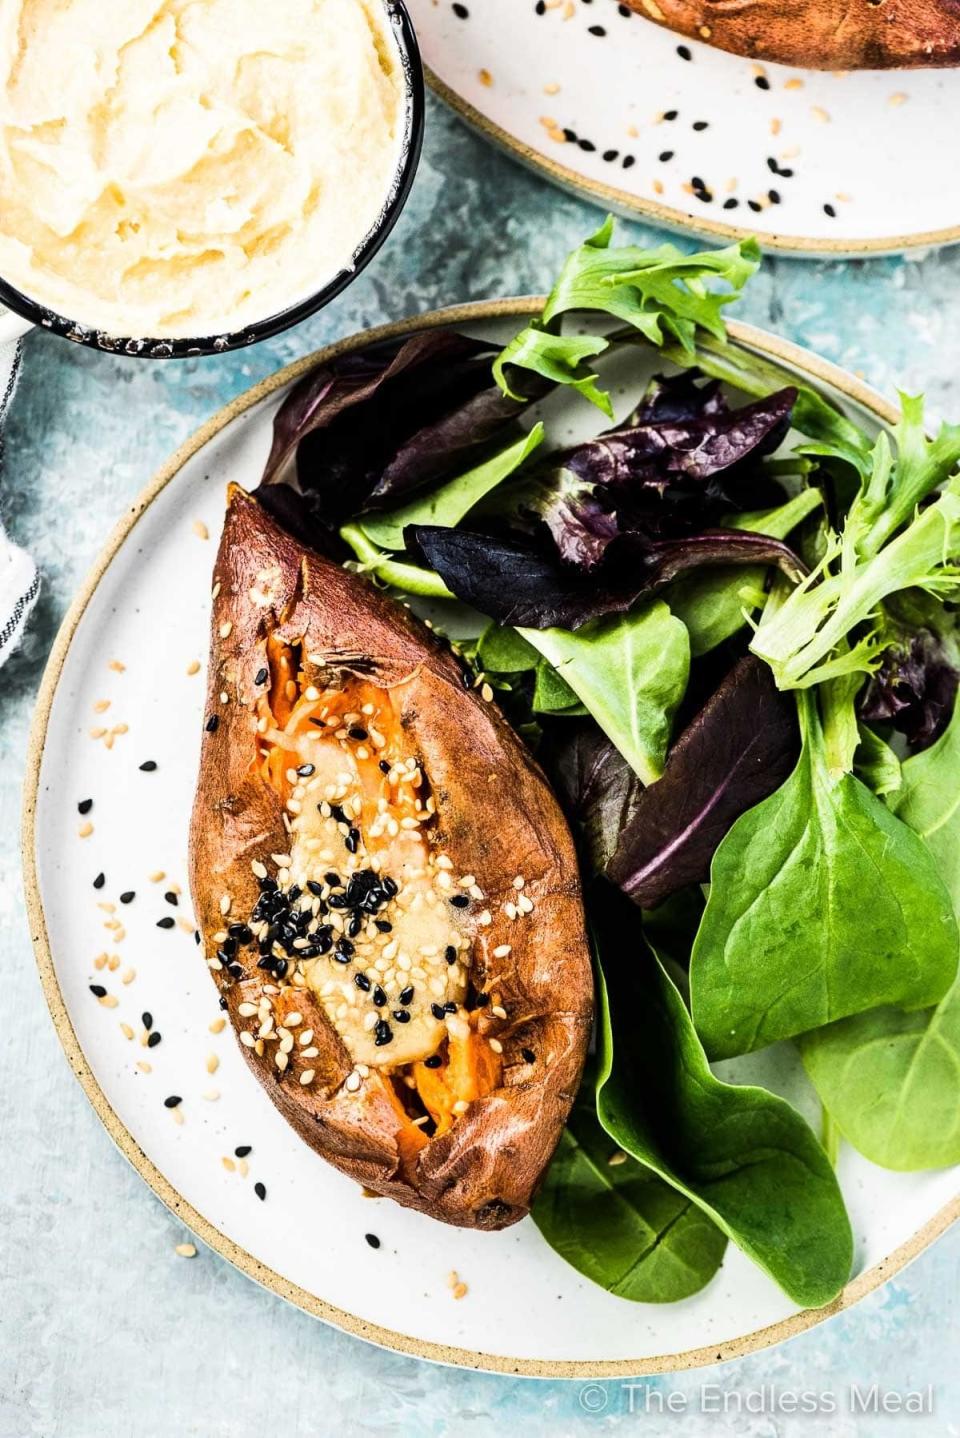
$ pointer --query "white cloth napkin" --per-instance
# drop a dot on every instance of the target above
(19, 580)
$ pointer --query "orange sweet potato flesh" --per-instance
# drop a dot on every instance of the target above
(493, 1118)
(820, 34)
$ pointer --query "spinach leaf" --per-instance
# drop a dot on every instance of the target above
(630, 672)
(396, 572)
(617, 1223)
(891, 1081)
(712, 604)
(876, 764)
(929, 801)
(742, 1154)
(448, 504)
(822, 904)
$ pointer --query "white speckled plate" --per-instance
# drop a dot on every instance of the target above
(146, 608)
(811, 163)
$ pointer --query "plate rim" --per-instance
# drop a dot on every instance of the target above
(721, 1351)
(635, 207)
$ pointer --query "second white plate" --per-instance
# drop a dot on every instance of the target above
(649, 124)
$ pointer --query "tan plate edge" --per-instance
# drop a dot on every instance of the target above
(793, 355)
(622, 202)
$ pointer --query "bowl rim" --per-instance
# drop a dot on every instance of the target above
(33, 312)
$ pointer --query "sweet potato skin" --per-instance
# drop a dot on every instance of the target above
(820, 34)
(497, 818)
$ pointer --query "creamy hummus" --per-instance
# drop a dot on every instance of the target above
(187, 167)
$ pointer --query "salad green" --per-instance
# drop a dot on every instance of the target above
(727, 625)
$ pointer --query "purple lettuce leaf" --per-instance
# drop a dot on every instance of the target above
(659, 475)
(515, 581)
(376, 424)
(739, 748)
(596, 786)
(914, 689)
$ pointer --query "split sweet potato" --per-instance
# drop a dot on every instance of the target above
(386, 889)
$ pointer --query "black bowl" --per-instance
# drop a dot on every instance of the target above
(144, 348)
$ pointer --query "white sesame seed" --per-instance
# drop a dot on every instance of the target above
(246, 1011)
(226, 629)
(281, 1060)
(501, 951)
(353, 1082)
(247, 1039)
(307, 1076)
(186, 1250)
(225, 904)
(496, 1045)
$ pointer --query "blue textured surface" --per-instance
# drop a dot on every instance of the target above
(103, 1329)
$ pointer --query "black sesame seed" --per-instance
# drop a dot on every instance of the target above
(379, 997)
(337, 813)
(571, 138)
(450, 1008)
(460, 901)
(481, 1001)
(684, 52)
(699, 125)
(305, 770)
(84, 806)
(99, 881)
(610, 155)
(372, 1239)
(97, 990)
(705, 196)
(438, 1012)
(212, 723)
(148, 766)
(433, 1062)
(147, 1019)
(754, 206)
(389, 887)
(171, 898)
(384, 766)
(384, 925)
(528, 1055)
(670, 114)
(829, 210)
(153, 1040)
(541, 7)
(223, 1002)
(761, 82)
(461, 11)
(354, 926)
(173, 1101)
(333, 880)
(236, 970)
(401, 1016)
(352, 842)
(665, 155)
(128, 897)
(597, 30)
(382, 1034)
(773, 196)
(243, 1150)
(260, 1191)
(315, 888)
(166, 922)
(362, 982)
(587, 146)
(356, 732)
(280, 969)
(628, 162)
(406, 994)
(261, 676)
(731, 204)
(340, 955)
(697, 183)
(450, 954)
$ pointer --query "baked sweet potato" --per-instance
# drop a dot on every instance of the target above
(386, 890)
(820, 34)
